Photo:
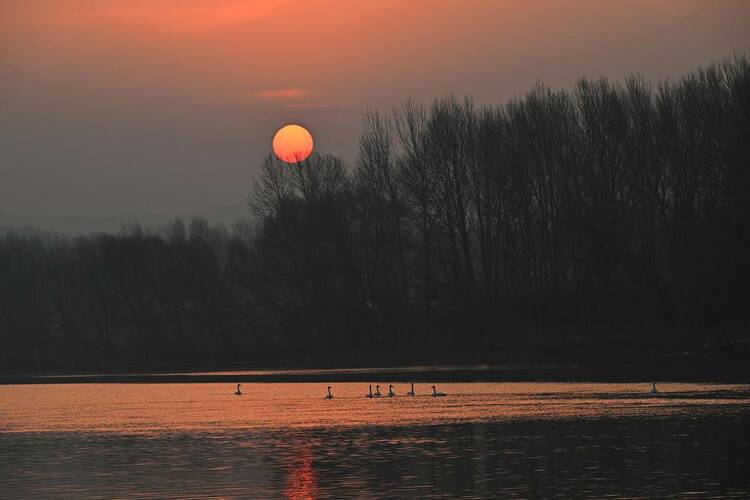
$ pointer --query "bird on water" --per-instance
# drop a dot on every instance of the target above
(435, 393)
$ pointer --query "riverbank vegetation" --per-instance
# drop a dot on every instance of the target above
(606, 221)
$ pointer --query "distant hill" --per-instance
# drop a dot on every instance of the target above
(47, 224)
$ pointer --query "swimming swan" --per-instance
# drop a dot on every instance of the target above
(435, 393)
(329, 396)
(238, 392)
(377, 392)
(653, 388)
(370, 395)
(411, 392)
(390, 392)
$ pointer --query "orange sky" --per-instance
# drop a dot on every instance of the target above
(169, 105)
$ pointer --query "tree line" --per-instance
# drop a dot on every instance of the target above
(611, 214)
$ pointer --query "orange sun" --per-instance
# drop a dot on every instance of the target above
(292, 143)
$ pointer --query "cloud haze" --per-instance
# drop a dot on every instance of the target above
(175, 16)
(169, 106)
(280, 94)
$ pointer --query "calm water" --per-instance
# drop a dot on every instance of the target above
(286, 441)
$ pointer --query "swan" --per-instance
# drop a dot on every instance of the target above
(370, 395)
(436, 394)
(377, 392)
(411, 392)
(329, 396)
(238, 392)
(390, 392)
(653, 388)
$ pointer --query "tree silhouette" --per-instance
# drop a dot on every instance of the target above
(610, 217)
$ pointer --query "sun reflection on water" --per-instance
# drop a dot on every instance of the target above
(155, 408)
(284, 440)
(301, 483)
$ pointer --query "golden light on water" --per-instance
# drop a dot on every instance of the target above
(148, 408)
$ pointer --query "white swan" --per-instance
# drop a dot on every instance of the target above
(238, 392)
(411, 392)
(329, 396)
(377, 392)
(390, 392)
(370, 395)
(435, 393)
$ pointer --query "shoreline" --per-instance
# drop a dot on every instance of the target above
(714, 370)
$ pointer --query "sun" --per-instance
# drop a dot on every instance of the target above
(292, 143)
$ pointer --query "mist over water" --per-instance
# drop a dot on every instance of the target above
(284, 440)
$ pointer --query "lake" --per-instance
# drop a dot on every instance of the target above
(284, 440)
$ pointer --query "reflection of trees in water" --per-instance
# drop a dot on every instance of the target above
(301, 483)
(619, 457)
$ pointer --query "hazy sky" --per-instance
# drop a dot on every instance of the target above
(169, 106)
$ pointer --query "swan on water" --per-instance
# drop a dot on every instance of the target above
(653, 388)
(377, 392)
(238, 392)
(411, 392)
(390, 392)
(329, 396)
(435, 393)
(370, 395)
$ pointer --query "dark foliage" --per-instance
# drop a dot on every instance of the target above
(611, 218)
